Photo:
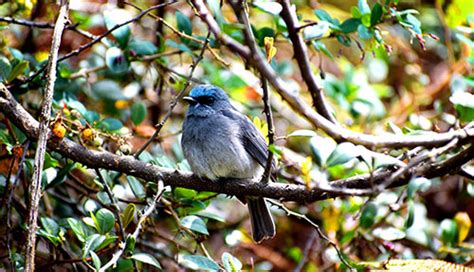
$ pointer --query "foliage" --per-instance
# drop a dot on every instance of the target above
(112, 95)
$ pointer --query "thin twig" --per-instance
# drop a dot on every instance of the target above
(301, 55)
(35, 187)
(116, 256)
(318, 229)
(175, 101)
(252, 44)
(46, 25)
(96, 40)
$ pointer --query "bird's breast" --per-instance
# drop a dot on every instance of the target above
(213, 148)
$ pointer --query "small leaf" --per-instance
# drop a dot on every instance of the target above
(449, 232)
(95, 260)
(111, 124)
(417, 184)
(210, 215)
(146, 258)
(105, 221)
(363, 7)
(50, 225)
(376, 15)
(128, 215)
(5, 68)
(389, 233)
(464, 105)
(117, 16)
(411, 214)
(142, 47)
(184, 24)
(195, 223)
(79, 229)
(108, 89)
(364, 32)
(350, 25)
(464, 225)
(17, 70)
(184, 193)
(198, 262)
(268, 7)
(322, 148)
(137, 187)
(116, 60)
(269, 48)
(367, 218)
(343, 153)
(414, 22)
(138, 113)
(92, 242)
(231, 263)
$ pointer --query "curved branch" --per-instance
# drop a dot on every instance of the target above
(358, 185)
(337, 132)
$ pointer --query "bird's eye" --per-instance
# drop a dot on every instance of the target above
(206, 100)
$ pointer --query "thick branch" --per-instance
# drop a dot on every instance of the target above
(43, 131)
(299, 105)
(358, 185)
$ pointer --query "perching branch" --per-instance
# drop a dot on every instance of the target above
(337, 132)
(358, 185)
(43, 131)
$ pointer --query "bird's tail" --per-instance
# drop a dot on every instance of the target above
(261, 219)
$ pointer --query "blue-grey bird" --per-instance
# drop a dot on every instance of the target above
(220, 142)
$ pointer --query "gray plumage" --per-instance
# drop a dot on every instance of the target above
(220, 142)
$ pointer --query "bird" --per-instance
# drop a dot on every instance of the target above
(219, 142)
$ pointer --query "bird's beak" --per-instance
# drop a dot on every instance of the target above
(189, 99)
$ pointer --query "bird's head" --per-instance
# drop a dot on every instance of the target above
(207, 99)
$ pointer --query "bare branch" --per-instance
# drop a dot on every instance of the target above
(338, 133)
(301, 56)
(35, 187)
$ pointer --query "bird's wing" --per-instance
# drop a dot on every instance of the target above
(252, 139)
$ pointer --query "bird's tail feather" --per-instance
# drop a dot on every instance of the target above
(261, 219)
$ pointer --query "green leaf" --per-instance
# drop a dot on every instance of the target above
(116, 60)
(146, 258)
(142, 47)
(137, 187)
(343, 153)
(92, 242)
(364, 32)
(350, 25)
(389, 233)
(303, 133)
(108, 89)
(198, 263)
(128, 215)
(356, 12)
(367, 217)
(107, 241)
(268, 7)
(323, 15)
(91, 117)
(411, 214)
(210, 215)
(464, 105)
(377, 12)
(184, 24)
(111, 124)
(117, 16)
(138, 112)
(184, 193)
(316, 31)
(414, 22)
(17, 70)
(231, 263)
(195, 223)
(5, 68)
(104, 221)
(449, 232)
(321, 47)
(321, 149)
(95, 260)
(50, 225)
(415, 184)
(79, 229)
(363, 7)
